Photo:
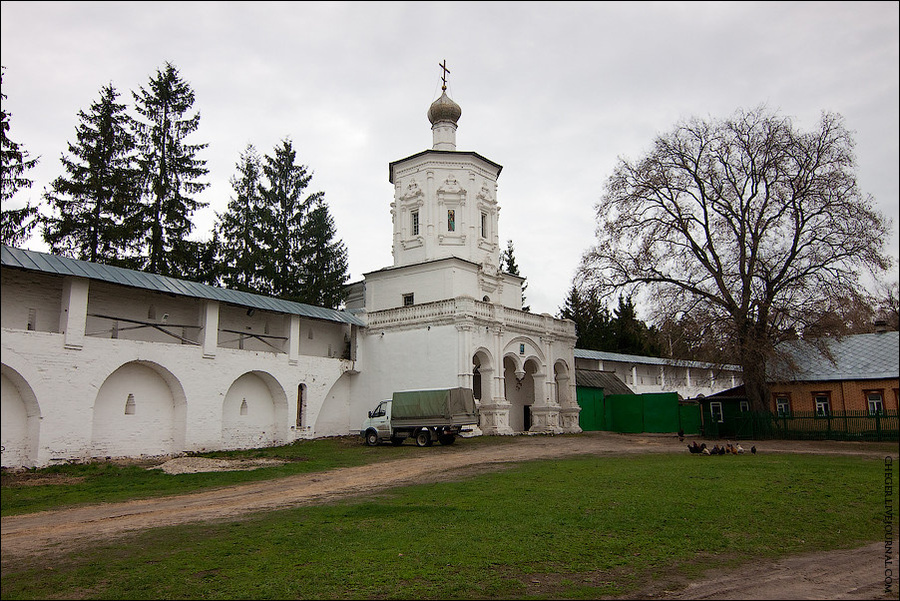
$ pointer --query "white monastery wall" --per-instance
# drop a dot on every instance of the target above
(67, 396)
(30, 301)
(393, 360)
(650, 374)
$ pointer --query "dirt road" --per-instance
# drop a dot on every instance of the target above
(856, 574)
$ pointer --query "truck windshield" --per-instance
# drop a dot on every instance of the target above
(379, 410)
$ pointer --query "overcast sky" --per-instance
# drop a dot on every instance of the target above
(554, 92)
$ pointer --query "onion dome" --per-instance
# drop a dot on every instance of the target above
(444, 109)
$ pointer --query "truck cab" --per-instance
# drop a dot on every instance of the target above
(379, 420)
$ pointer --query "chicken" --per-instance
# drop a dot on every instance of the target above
(753, 449)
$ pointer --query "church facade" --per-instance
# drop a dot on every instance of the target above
(106, 362)
(444, 314)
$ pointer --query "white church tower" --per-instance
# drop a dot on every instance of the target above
(444, 315)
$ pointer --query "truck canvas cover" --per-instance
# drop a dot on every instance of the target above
(450, 403)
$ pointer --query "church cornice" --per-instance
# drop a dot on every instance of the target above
(445, 156)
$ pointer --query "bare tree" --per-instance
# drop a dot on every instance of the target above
(746, 223)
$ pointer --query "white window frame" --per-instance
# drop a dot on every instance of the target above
(823, 405)
(875, 402)
(715, 409)
(782, 405)
(414, 216)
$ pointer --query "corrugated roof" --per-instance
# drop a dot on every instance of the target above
(623, 358)
(53, 264)
(858, 357)
(607, 380)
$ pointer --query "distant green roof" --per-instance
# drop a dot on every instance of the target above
(607, 380)
(53, 264)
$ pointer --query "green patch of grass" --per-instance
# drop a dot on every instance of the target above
(111, 481)
(578, 528)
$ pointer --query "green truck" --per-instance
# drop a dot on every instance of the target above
(423, 415)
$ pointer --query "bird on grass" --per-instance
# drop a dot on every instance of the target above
(753, 449)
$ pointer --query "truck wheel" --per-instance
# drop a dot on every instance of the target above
(423, 438)
(446, 439)
(372, 438)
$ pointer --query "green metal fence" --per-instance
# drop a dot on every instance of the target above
(808, 425)
(634, 413)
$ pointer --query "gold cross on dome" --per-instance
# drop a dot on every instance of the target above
(444, 76)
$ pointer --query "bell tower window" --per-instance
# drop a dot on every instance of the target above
(415, 223)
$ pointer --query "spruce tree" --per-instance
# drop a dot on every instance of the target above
(15, 224)
(508, 264)
(282, 215)
(170, 170)
(242, 251)
(632, 335)
(325, 260)
(96, 204)
(592, 320)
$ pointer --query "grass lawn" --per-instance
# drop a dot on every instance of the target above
(577, 528)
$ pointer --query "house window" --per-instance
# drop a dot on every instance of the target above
(451, 220)
(408, 300)
(783, 405)
(484, 232)
(745, 406)
(876, 402)
(823, 405)
(715, 408)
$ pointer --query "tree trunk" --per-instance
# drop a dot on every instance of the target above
(753, 363)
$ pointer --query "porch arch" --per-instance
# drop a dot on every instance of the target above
(520, 391)
(483, 375)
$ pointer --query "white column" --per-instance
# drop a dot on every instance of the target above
(209, 333)
(73, 314)
(294, 340)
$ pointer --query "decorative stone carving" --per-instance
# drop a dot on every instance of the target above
(485, 195)
(451, 187)
(412, 191)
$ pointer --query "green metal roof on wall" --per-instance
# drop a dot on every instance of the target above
(54, 264)
(623, 358)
